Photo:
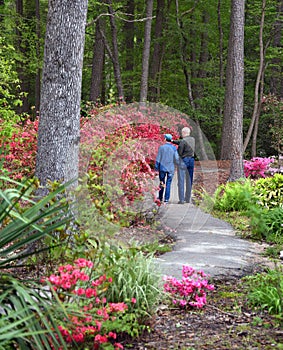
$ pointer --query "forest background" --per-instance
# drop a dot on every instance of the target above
(188, 44)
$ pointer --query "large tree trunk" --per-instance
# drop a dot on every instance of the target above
(59, 122)
(146, 51)
(234, 96)
(97, 62)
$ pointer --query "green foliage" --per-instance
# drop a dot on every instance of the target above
(234, 196)
(273, 220)
(27, 316)
(8, 89)
(134, 276)
(266, 291)
(269, 191)
(23, 225)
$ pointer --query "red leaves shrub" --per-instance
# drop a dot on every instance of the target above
(20, 151)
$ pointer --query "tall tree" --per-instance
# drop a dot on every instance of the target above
(97, 61)
(187, 74)
(258, 86)
(276, 83)
(38, 54)
(59, 122)
(129, 30)
(232, 137)
(162, 11)
(114, 54)
(146, 51)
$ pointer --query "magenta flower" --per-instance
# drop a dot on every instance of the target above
(190, 291)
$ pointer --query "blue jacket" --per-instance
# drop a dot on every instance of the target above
(166, 158)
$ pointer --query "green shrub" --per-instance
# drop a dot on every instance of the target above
(234, 196)
(27, 318)
(266, 291)
(134, 278)
(269, 191)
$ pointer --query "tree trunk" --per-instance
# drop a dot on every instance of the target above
(23, 108)
(129, 30)
(38, 49)
(255, 132)
(97, 62)
(220, 29)
(234, 97)
(158, 50)
(183, 48)
(146, 52)
(259, 80)
(276, 83)
(59, 122)
(115, 54)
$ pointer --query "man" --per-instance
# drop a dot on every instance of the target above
(165, 165)
(186, 150)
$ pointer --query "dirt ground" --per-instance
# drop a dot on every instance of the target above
(226, 322)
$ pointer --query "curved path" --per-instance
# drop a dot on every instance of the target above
(205, 243)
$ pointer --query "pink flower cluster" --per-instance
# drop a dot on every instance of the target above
(257, 167)
(73, 284)
(19, 152)
(190, 290)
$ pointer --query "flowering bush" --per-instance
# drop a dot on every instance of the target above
(257, 167)
(19, 152)
(191, 290)
(117, 152)
(91, 318)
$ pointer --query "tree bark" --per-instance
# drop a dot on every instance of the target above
(59, 122)
(38, 50)
(259, 81)
(146, 51)
(276, 83)
(255, 131)
(23, 108)
(183, 47)
(129, 30)
(234, 96)
(97, 62)
(115, 54)
(158, 50)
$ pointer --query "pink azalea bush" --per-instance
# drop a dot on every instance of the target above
(93, 317)
(257, 167)
(117, 152)
(18, 153)
(190, 291)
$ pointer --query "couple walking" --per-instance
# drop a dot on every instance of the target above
(167, 157)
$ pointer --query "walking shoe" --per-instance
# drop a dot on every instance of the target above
(181, 202)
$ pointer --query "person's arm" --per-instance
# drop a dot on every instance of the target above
(181, 149)
(157, 161)
(176, 142)
(176, 158)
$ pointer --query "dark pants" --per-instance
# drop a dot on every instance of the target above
(165, 179)
(185, 176)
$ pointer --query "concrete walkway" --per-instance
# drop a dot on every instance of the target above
(205, 243)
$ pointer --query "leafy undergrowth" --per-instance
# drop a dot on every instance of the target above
(226, 322)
